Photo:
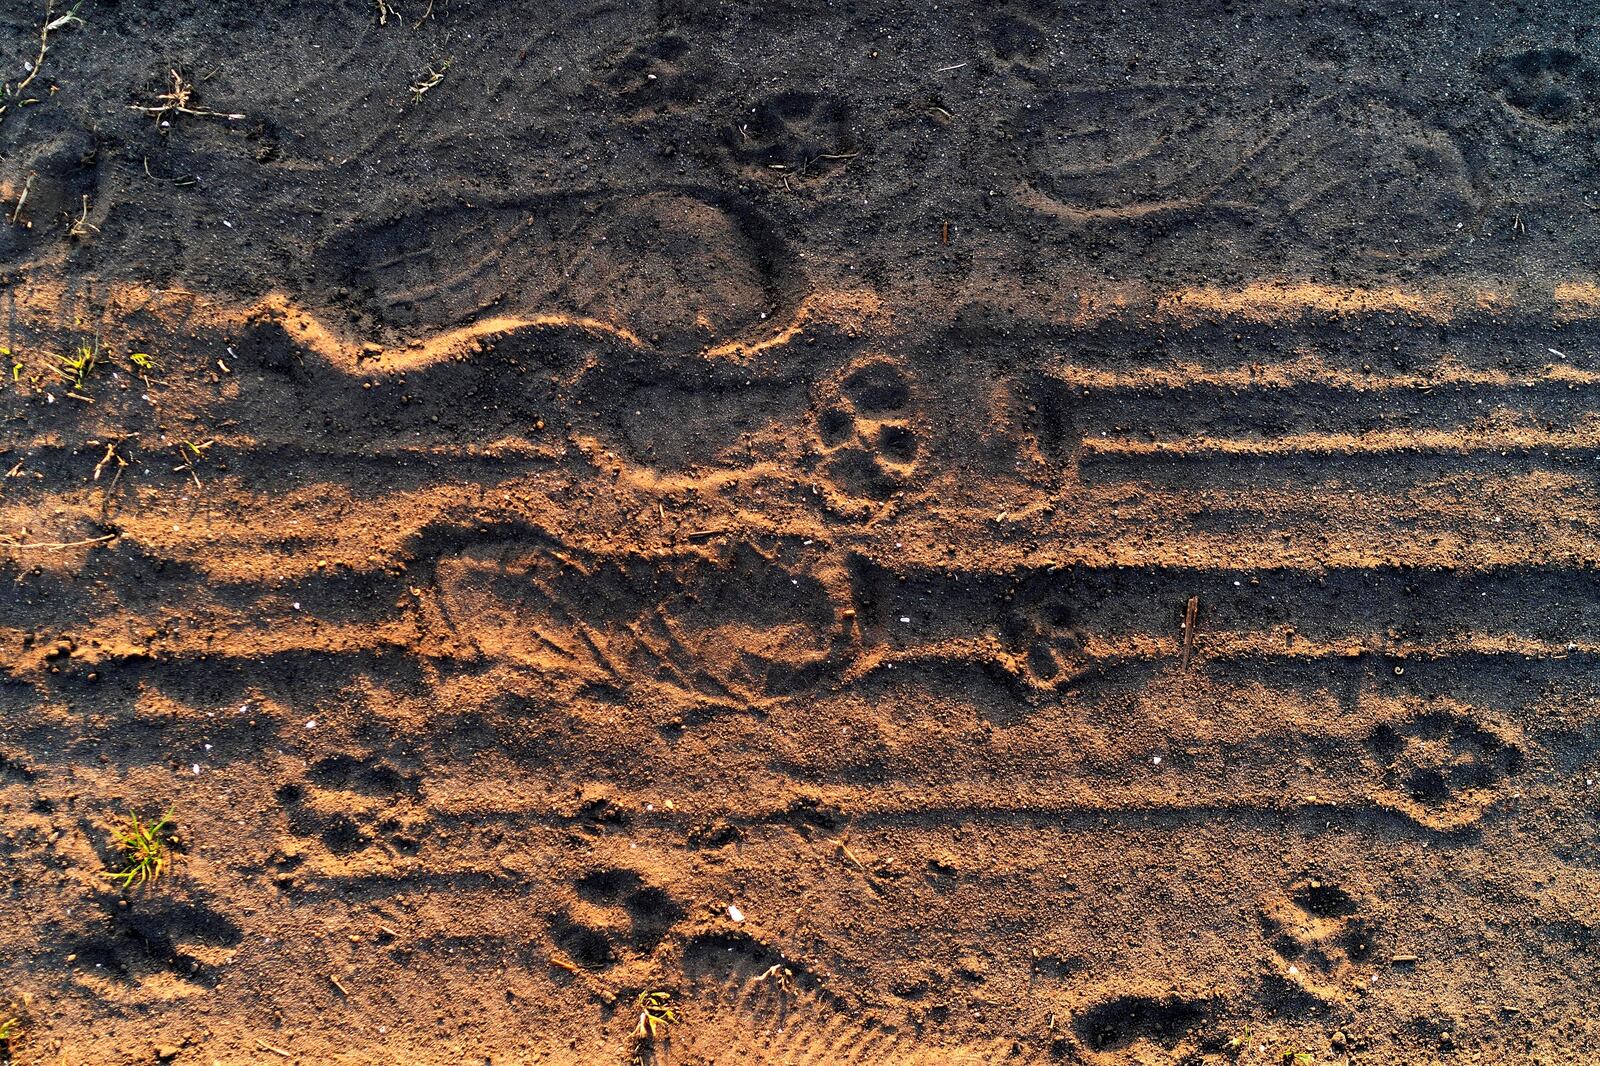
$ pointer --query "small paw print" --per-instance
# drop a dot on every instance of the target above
(866, 434)
(792, 134)
(1443, 768)
(651, 76)
(617, 916)
(1041, 634)
(1320, 931)
(1549, 84)
(1016, 41)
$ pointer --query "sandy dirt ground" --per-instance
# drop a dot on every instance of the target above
(921, 533)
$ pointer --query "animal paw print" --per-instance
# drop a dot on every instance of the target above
(351, 804)
(1442, 768)
(1121, 1023)
(51, 191)
(157, 950)
(1015, 41)
(651, 77)
(870, 445)
(1041, 634)
(1320, 933)
(617, 916)
(795, 134)
(1548, 84)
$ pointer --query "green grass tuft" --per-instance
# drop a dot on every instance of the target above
(656, 1014)
(145, 849)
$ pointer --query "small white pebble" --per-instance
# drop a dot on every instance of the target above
(1155, 760)
(311, 723)
(905, 618)
(194, 767)
(735, 913)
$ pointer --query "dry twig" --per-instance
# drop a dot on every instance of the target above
(178, 100)
(46, 28)
(189, 451)
(81, 227)
(16, 212)
(428, 81)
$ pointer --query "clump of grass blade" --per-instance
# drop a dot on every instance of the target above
(145, 850)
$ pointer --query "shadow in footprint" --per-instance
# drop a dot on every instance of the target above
(1119, 1023)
